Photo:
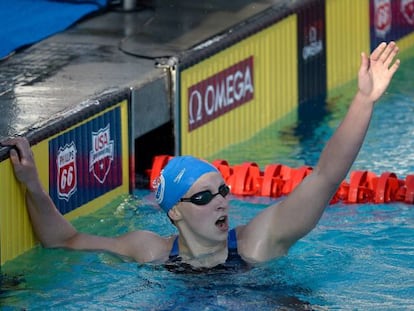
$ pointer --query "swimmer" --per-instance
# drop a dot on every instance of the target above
(194, 195)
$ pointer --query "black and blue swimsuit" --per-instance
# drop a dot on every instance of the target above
(234, 262)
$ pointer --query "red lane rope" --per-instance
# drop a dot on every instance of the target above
(277, 180)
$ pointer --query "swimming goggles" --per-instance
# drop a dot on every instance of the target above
(205, 197)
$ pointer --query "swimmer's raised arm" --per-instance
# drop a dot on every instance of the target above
(281, 225)
(53, 230)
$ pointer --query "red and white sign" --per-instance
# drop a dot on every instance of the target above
(67, 173)
(102, 154)
(382, 17)
(220, 93)
(407, 10)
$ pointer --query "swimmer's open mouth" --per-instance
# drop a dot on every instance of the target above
(221, 222)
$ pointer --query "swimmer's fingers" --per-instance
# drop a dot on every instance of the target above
(394, 67)
(20, 148)
(364, 64)
(14, 158)
(389, 54)
(384, 55)
(378, 52)
(22, 159)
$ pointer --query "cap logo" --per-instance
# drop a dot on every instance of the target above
(177, 179)
(159, 194)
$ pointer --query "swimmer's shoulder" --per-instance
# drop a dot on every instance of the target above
(247, 241)
(239, 231)
(146, 246)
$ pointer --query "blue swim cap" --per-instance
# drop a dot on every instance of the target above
(177, 177)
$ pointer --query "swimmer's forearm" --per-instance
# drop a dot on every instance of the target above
(299, 213)
(50, 227)
(374, 76)
(342, 149)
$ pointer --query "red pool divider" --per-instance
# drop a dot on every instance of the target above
(361, 187)
(277, 180)
(274, 179)
(158, 164)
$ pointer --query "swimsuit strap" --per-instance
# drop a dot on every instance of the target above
(231, 243)
(174, 249)
(232, 240)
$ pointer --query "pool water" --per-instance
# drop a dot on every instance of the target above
(359, 257)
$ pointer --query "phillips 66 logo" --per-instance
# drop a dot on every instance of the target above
(67, 176)
(102, 154)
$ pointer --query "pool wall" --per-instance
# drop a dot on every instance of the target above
(278, 65)
(83, 163)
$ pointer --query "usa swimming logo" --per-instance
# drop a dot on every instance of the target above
(67, 173)
(102, 154)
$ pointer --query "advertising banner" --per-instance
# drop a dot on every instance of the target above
(390, 20)
(86, 162)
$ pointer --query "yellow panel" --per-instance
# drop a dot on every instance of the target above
(406, 42)
(16, 231)
(274, 52)
(15, 228)
(347, 35)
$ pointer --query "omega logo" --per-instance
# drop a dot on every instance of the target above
(220, 93)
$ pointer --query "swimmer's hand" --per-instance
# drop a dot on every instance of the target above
(375, 72)
(21, 156)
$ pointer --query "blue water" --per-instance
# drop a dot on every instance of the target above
(359, 257)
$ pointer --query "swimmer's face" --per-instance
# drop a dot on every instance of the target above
(208, 221)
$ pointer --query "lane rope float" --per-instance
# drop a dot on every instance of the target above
(276, 180)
